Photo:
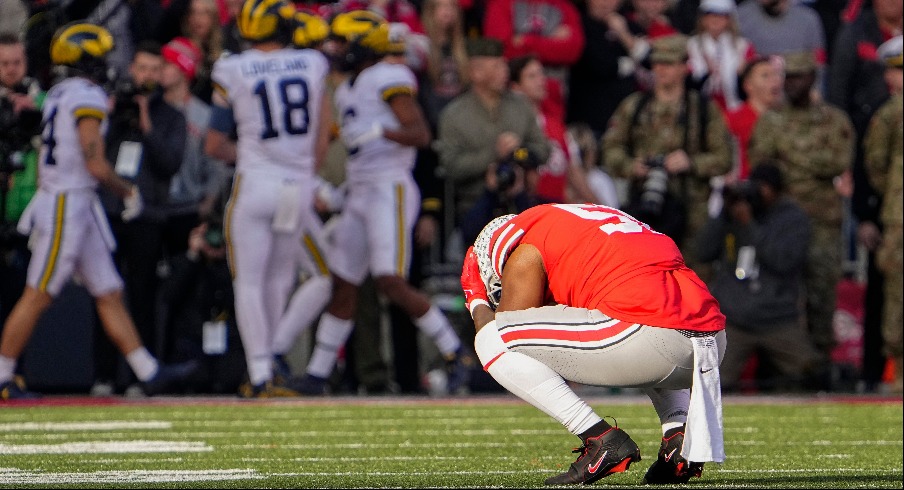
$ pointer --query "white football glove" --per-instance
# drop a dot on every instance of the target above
(134, 205)
(331, 196)
(357, 136)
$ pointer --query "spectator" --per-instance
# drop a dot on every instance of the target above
(447, 61)
(13, 14)
(563, 168)
(884, 158)
(856, 85)
(758, 244)
(197, 186)
(783, 26)
(21, 99)
(760, 90)
(647, 18)
(717, 53)
(232, 40)
(199, 21)
(549, 29)
(602, 185)
(812, 143)
(604, 74)
(146, 140)
(650, 16)
(668, 143)
(197, 300)
(483, 126)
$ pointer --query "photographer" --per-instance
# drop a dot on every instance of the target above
(145, 142)
(483, 127)
(758, 246)
(668, 143)
(510, 187)
(20, 123)
(197, 305)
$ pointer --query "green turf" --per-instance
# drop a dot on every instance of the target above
(344, 443)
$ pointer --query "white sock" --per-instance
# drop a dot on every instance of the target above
(436, 326)
(260, 369)
(332, 333)
(306, 305)
(142, 363)
(670, 405)
(7, 369)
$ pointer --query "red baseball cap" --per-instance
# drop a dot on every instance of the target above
(183, 53)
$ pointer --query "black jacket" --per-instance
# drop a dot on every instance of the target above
(781, 236)
(162, 151)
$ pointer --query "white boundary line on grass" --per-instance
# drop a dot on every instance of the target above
(86, 426)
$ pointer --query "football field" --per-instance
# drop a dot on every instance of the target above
(469, 442)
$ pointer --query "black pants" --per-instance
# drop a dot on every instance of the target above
(138, 250)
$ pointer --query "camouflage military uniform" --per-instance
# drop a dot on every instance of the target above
(812, 146)
(884, 159)
(659, 131)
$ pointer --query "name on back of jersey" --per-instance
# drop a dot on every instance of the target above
(255, 68)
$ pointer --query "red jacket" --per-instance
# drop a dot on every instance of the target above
(535, 21)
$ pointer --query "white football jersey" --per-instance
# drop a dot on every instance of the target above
(62, 164)
(275, 98)
(365, 101)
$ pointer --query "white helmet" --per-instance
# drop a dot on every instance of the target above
(491, 281)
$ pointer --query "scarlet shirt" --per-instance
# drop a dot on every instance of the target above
(741, 122)
(597, 257)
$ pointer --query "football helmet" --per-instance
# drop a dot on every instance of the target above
(366, 35)
(82, 47)
(310, 30)
(491, 280)
(266, 20)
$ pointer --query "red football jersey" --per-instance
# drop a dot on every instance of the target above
(597, 257)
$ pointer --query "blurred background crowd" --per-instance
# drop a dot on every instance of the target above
(763, 136)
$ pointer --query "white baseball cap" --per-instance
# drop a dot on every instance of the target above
(717, 6)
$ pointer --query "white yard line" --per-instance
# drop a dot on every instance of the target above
(86, 426)
(27, 477)
(98, 447)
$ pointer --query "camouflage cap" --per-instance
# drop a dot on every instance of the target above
(484, 46)
(800, 62)
(669, 49)
(890, 52)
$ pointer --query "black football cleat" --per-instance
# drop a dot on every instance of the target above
(670, 467)
(170, 377)
(608, 453)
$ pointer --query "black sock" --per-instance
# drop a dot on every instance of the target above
(597, 429)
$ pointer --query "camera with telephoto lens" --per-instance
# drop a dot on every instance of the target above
(126, 109)
(17, 130)
(654, 186)
(505, 169)
(744, 191)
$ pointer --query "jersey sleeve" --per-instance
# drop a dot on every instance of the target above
(91, 102)
(396, 80)
(221, 74)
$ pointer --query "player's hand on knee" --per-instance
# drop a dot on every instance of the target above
(472, 284)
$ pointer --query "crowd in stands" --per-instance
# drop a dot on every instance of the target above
(745, 131)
